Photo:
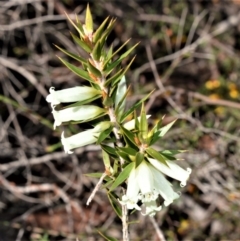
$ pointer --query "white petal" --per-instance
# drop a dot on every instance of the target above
(130, 202)
(78, 140)
(132, 185)
(78, 113)
(172, 170)
(74, 94)
(164, 187)
(144, 178)
(151, 208)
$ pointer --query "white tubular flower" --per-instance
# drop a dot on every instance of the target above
(83, 138)
(172, 170)
(78, 113)
(132, 195)
(145, 183)
(69, 95)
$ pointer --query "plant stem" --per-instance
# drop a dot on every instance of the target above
(113, 119)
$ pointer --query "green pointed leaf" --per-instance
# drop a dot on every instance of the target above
(106, 161)
(109, 53)
(122, 176)
(97, 51)
(166, 128)
(98, 33)
(110, 57)
(81, 43)
(143, 123)
(134, 107)
(128, 134)
(94, 70)
(156, 155)
(83, 74)
(89, 20)
(137, 121)
(154, 138)
(107, 184)
(139, 158)
(117, 80)
(114, 77)
(108, 68)
(74, 56)
(120, 93)
(106, 237)
(168, 157)
(110, 150)
(108, 30)
(104, 135)
(172, 152)
(124, 156)
(115, 204)
(121, 103)
(78, 28)
(108, 101)
(94, 175)
(128, 150)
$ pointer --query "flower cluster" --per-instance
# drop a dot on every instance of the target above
(127, 147)
(146, 183)
(79, 113)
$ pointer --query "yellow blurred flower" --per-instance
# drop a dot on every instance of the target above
(234, 93)
(212, 84)
(220, 111)
(214, 97)
(232, 86)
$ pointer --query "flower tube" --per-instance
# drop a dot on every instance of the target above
(83, 138)
(74, 94)
(78, 113)
(172, 170)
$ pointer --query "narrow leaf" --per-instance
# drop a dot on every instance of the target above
(78, 28)
(108, 68)
(143, 123)
(156, 155)
(74, 56)
(94, 70)
(128, 134)
(89, 20)
(106, 161)
(114, 77)
(110, 150)
(166, 128)
(83, 74)
(139, 158)
(81, 43)
(115, 204)
(97, 50)
(134, 107)
(122, 176)
(112, 55)
(128, 150)
(104, 135)
(116, 80)
(99, 31)
(106, 237)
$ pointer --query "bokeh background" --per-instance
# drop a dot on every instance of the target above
(189, 52)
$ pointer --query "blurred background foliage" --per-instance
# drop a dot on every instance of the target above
(189, 53)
